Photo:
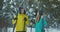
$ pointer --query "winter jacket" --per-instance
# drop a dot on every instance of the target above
(20, 26)
(39, 26)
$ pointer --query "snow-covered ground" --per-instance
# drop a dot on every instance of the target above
(46, 30)
(52, 30)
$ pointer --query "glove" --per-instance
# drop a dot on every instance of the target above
(25, 19)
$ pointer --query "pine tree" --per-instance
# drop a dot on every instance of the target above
(10, 8)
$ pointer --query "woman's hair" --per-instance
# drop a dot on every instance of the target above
(39, 16)
(40, 12)
(20, 10)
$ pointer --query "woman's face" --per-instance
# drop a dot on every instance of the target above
(22, 11)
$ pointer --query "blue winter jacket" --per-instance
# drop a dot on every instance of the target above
(39, 26)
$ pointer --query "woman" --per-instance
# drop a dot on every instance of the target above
(21, 21)
(40, 22)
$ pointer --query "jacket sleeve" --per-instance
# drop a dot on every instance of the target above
(14, 20)
(27, 22)
(45, 21)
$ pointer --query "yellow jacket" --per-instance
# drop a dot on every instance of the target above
(20, 22)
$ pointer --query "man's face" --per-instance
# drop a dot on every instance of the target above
(22, 11)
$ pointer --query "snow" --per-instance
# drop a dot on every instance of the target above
(52, 30)
(33, 29)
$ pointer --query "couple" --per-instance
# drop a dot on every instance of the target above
(22, 21)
